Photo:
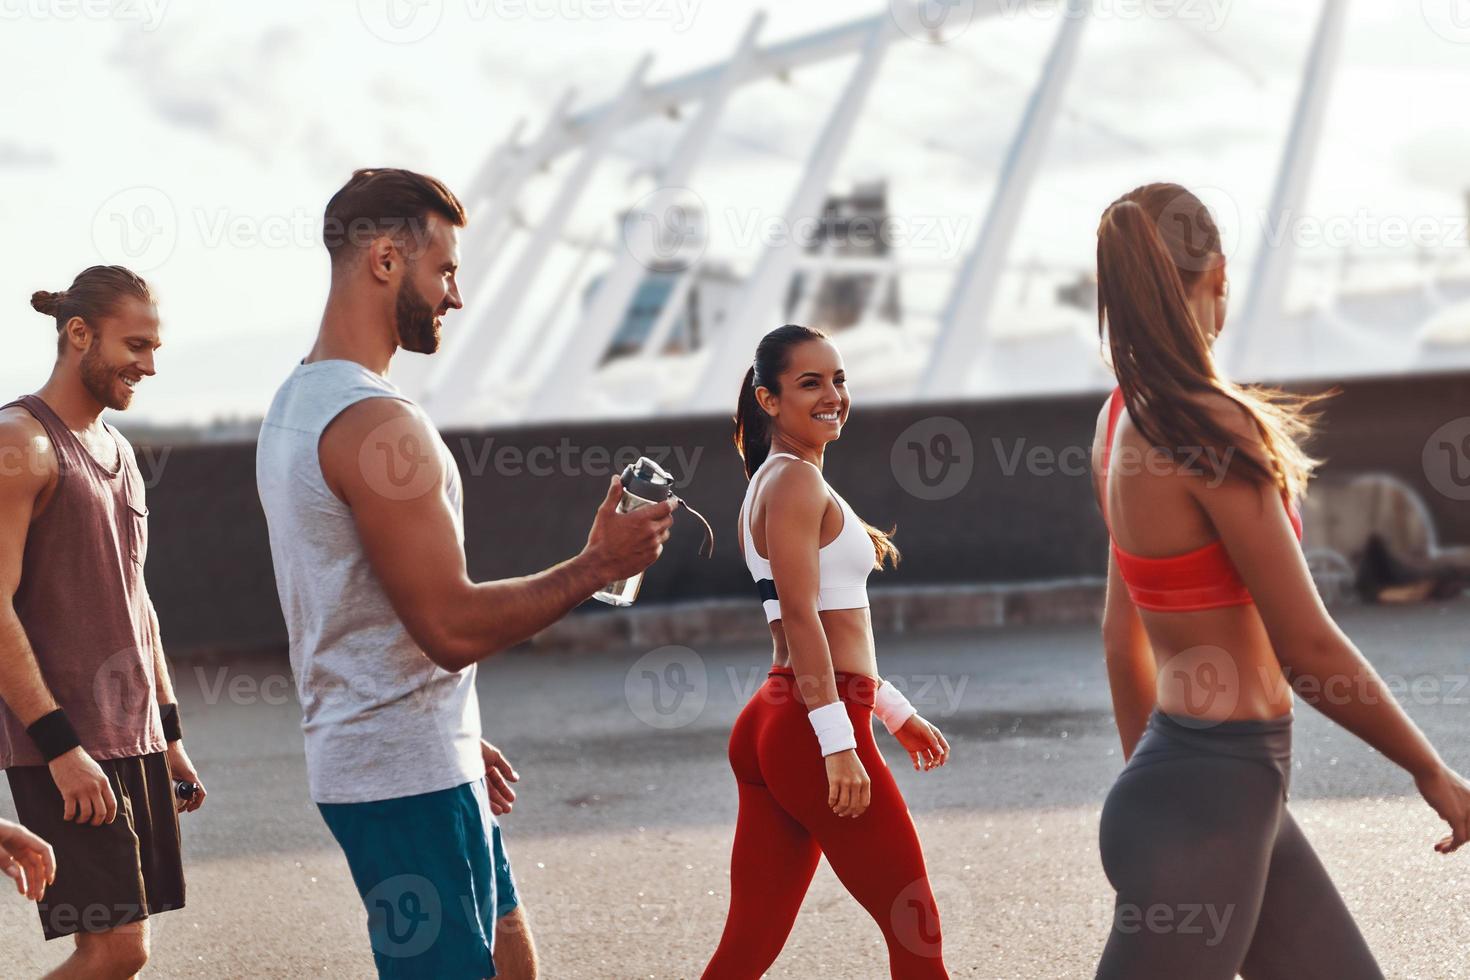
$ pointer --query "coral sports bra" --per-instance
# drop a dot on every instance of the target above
(843, 563)
(1203, 578)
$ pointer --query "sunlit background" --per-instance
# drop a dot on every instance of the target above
(198, 142)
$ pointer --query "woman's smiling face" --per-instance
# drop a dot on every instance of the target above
(814, 402)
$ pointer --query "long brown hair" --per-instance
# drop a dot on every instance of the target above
(1153, 246)
(93, 295)
(752, 436)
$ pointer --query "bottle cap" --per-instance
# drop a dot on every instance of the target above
(648, 480)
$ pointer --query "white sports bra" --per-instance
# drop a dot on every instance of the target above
(843, 564)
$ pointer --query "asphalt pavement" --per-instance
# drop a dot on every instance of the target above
(620, 838)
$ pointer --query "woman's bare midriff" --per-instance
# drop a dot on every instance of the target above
(849, 638)
(1216, 664)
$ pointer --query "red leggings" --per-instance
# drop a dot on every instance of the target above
(785, 825)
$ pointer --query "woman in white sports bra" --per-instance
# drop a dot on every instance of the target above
(811, 779)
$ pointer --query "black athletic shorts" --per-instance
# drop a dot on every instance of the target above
(117, 873)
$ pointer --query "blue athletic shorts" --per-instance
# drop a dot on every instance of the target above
(433, 876)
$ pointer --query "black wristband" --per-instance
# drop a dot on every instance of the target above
(172, 731)
(53, 735)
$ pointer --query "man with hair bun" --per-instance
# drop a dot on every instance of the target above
(90, 738)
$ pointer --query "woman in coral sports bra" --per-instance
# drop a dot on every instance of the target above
(809, 773)
(1211, 621)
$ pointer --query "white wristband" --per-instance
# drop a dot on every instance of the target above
(833, 728)
(891, 707)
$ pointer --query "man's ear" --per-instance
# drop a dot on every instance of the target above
(78, 333)
(383, 258)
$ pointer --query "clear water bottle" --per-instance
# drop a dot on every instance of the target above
(644, 483)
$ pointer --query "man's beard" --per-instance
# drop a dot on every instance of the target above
(101, 380)
(418, 327)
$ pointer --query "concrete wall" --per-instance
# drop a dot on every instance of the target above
(1015, 503)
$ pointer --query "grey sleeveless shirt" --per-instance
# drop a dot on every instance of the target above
(381, 720)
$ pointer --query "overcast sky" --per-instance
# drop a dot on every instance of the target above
(225, 126)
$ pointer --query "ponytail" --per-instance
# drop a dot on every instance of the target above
(752, 426)
(1153, 246)
(752, 435)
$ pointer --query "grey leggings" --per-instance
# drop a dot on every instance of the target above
(1213, 875)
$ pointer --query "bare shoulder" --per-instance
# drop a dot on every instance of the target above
(361, 417)
(383, 444)
(26, 453)
(16, 420)
(793, 486)
(795, 477)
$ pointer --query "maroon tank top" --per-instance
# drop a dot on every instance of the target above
(83, 604)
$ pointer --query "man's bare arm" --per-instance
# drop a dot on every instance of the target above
(408, 533)
(27, 468)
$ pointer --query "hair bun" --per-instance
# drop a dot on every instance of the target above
(47, 303)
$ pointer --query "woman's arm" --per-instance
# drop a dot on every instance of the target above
(795, 498)
(1321, 663)
(1132, 672)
